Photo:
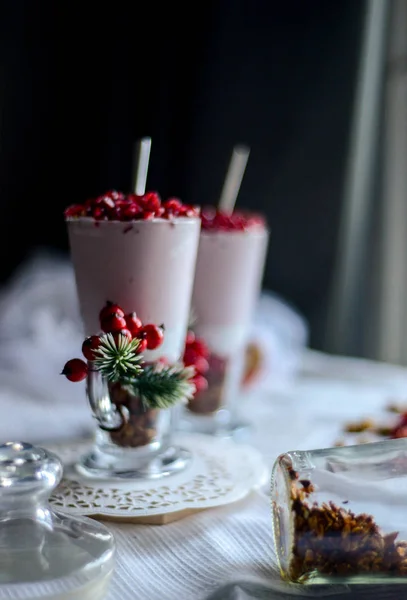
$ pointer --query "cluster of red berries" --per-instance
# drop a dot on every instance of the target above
(113, 320)
(215, 220)
(400, 429)
(116, 206)
(196, 355)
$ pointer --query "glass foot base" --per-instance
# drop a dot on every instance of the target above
(214, 425)
(97, 464)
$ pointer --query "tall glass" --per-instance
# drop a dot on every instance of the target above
(340, 514)
(145, 266)
(228, 277)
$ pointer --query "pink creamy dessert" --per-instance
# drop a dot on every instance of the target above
(228, 275)
(138, 252)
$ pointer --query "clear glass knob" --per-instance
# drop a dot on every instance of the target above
(44, 553)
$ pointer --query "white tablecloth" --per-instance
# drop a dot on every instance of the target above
(302, 403)
(228, 552)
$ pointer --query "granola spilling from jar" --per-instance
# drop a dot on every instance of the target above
(331, 540)
(391, 425)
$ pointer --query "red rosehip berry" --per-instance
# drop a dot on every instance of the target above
(399, 432)
(154, 336)
(142, 347)
(75, 370)
(190, 338)
(123, 332)
(133, 323)
(200, 347)
(90, 344)
(109, 309)
(112, 323)
(163, 361)
(201, 384)
(190, 356)
(201, 365)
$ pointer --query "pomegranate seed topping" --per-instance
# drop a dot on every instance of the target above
(76, 210)
(154, 336)
(239, 221)
(109, 309)
(107, 202)
(113, 323)
(151, 202)
(91, 344)
(115, 195)
(132, 212)
(115, 214)
(172, 204)
(98, 213)
(133, 323)
(134, 198)
(117, 206)
(75, 370)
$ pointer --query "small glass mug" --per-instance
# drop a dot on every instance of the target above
(214, 410)
(340, 514)
(132, 440)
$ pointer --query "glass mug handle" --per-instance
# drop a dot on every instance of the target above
(109, 416)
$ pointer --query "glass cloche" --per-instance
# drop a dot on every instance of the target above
(43, 553)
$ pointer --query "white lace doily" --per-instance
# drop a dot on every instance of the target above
(220, 472)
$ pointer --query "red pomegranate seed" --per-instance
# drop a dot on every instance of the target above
(173, 204)
(151, 202)
(76, 210)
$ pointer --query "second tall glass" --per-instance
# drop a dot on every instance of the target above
(228, 277)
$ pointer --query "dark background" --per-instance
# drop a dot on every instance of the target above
(80, 83)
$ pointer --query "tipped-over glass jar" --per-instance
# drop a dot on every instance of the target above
(132, 439)
(340, 514)
(46, 554)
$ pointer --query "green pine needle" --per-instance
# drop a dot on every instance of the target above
(116, 361)
(160, 386)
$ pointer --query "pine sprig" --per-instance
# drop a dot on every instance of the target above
(160, 386)
(118, 360)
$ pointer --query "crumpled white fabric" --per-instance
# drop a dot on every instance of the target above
(40, 329)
